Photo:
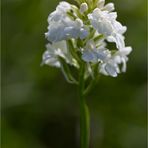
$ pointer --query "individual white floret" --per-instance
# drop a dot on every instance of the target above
(62, 26)
(56, 50)
(105, 23)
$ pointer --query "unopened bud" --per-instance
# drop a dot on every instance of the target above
(109, 7)
(83, 7)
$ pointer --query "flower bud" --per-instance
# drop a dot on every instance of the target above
(109, 7)
(101, 3)
(83, 7)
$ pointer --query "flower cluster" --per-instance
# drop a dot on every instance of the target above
(81, 33)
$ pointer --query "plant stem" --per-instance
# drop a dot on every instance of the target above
(84, 113)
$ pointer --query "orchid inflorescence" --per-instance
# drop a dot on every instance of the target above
(81, 33)
(78, 38)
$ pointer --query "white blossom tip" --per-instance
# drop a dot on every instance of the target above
(83, 8)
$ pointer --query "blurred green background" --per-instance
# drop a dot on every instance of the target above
(40, 109)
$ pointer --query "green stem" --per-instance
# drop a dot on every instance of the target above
(84, 112)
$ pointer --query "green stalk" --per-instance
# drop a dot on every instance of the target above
(84, 112)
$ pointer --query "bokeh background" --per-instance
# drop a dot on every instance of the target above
(40, 109)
